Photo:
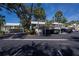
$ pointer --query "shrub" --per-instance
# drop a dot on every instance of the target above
(1, 32)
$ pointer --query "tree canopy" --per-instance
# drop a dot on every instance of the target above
(59, 17)
(22, 11)
(39, 12)
(25, 12)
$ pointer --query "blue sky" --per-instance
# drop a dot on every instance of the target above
(70, 11)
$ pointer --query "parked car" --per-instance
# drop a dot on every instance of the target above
(46, 32)
(54, 31)
(67, 30)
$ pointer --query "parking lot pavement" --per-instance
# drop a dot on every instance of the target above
(55, 40)
(71, 36)
(12, 36)
(7, 36)
(7, 44)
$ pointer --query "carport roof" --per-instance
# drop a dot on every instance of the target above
(12, 24)
(17, 24)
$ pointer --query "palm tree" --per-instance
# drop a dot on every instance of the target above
(39, 14)
(59, 17)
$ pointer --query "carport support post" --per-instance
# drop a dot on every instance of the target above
(38, 28)
(60, 28)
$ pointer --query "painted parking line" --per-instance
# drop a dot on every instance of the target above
(36, 39)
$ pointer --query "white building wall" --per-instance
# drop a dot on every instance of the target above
(8, 26)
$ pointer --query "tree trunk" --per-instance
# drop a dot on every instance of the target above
(0, 27)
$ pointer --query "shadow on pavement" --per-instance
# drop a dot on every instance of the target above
(39, 49)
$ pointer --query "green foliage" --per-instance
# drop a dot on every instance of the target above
(22, 11)
(58, 14)
(48, 23)
(25, 12)
(74, 21)
(63, 20)
(66, 24)
(39, 12)
(2, 21)
(59, 17)
(1, 33)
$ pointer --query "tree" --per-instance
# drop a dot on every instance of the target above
(25, 13)
(59, 17)
(48, 24)
(63, 20)
(22, 11)
(74, 21)
(39, 13)
(2, 21)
